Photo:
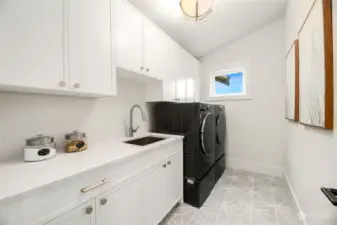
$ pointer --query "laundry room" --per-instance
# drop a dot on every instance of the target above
(168, 112)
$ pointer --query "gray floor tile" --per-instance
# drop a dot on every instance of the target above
(241, 198)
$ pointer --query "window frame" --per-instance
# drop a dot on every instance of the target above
(244, 95)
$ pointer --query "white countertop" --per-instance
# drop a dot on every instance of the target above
(19, 177)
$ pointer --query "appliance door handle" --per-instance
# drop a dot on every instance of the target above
(85, 190)
(203, 148)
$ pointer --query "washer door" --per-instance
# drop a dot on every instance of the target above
(220, 129)
(207, 133)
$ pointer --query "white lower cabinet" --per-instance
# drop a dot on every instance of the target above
(162, 188)
(120, 206)
(142, 199)
(154, 185)
(174, 188)
(82, 215)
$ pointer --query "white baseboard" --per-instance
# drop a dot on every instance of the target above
(301, 214)
(276, 171)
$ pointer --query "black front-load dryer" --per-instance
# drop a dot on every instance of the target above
(206, 153)
(199, 156)
(220, 136)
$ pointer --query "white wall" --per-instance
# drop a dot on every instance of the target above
(310, 161)
(25, 115)
(256, 132)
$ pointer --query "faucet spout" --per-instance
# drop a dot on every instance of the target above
(131, 129)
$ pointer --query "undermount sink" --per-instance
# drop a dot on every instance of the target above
(144, 141)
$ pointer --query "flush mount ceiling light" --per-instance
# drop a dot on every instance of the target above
(198, 10)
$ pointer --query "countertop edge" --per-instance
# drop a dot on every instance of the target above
(6, 198)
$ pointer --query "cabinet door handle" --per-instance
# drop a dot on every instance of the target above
(141, 68)
(104, 201)
(62, 83)
(164, 166)
(77, 85)
(169, 162)
(85, 190)
(89, 210)
(147, 70)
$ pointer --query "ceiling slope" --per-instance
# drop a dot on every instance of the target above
(232, 20)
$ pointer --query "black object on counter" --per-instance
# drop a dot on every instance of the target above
(331, 194)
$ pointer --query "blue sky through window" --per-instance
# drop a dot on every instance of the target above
(235, 84)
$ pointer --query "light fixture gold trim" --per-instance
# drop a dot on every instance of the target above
(192, 9)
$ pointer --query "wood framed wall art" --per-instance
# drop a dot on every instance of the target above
(316, 66)
(292, 83)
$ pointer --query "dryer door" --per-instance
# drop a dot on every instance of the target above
(207, 134)
(220, 129)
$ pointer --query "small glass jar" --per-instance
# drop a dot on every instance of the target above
(76, 142)
(41, 141)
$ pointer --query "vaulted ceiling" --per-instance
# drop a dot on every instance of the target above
(232, 19)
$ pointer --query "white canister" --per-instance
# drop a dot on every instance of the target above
(39, 148)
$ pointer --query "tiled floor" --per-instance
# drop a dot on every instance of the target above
(241, 198)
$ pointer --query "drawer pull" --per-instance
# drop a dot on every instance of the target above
(104, 201)
(77, 85)
(169, 162)
(85, 190)
(89, 210)
(62, 83)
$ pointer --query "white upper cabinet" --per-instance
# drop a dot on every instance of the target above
(182, 81)
(174, 59)
(155, 53)
(169, 89)
(59, 46)
(141, 46)
(73, 47)
(192, 80)
(90, 46)
(31, 52)
(128, 37)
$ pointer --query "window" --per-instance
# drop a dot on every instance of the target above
(228, 84)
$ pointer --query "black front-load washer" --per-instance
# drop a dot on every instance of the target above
(196, 121)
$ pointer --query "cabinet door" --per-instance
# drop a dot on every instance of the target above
(174, 55)
(82, 215)
(192, 80)
(121, 206)
(155, 53)
(31, 37)
(90, 56)
(153, 195)
(128, 36)
(174, 180)
(169, 89)
(197, 71)
(180, 84)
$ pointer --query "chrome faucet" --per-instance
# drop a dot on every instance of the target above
(131, 129)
